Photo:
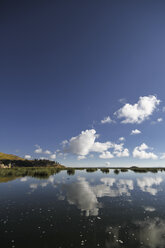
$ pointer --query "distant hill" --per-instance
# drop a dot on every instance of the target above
(9, 156)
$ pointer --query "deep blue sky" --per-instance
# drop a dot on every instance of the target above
(64, 65)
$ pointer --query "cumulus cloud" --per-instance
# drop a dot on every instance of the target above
(159, 120)
(140, 152)
(135, 131)
(107, 120)
(122, 100)
(43, 158)
(85, 143)
(81, 157)
(138, 112)
(38, 150)
(53, 156)
(163, 156)
(120, 151)
(106, 155)
(101, 147)
(28, 156)
(123, 153)
(122, 139)
(47, 152)
(64, 143)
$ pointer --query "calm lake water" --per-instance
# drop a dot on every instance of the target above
(84, 210)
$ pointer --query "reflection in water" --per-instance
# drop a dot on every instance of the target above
(146, 184)
(152, 232)
(85, 209)
(81, 194)
(149, 209)
(24, 179)
(85, 196)
(148, 233)
(112, 187)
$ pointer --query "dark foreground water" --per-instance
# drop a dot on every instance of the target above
(84, 210)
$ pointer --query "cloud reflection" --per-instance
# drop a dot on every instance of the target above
(149, 233)
(146, 184)
(86, 196)
(81, 194)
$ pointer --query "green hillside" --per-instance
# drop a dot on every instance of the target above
(9, 156)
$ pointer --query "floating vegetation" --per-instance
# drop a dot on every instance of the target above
(71, 171)
(91, 169)
(104, 170)
(116, 171)
(123, 170)
(144, 170)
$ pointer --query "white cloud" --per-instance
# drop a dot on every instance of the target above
(53, 156)
(159, 120)
(101, 147)
(123, 153)
(47, 152)
(140, 152)
(81, 157)
(139, 111)
(120, 151)
(64, 143)
(122, 139)
(122, 100)
(106, 155)
(38, 150)
(107, 120)
(107, 163)
(85, 143)
(28, 156)
(135, 131)
(43, 158)
(163, 156)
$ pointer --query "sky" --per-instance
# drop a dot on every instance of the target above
(83, 82)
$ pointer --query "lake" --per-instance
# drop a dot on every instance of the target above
(84, 210)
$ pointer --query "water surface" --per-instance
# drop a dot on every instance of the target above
(84, 210)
